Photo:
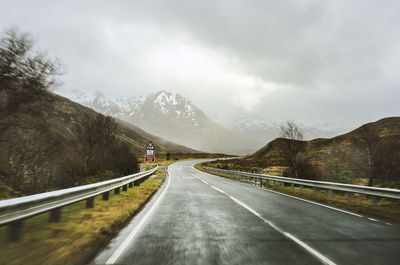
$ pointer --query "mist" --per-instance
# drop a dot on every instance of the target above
(319, 63)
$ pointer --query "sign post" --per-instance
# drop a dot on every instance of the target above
(150, 158)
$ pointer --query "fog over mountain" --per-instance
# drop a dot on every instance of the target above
(176, 118)
(327, 64)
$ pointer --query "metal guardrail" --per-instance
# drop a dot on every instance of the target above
(374, 192)
(14, 211)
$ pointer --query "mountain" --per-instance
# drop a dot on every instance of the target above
(263, 132)
(172, 117)
(370, 150)
(40, 137)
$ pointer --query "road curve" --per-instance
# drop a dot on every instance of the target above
(198, 218)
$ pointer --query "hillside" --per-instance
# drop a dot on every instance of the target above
(262, 131)
(343, 158)
(171, 116)
(39, 143)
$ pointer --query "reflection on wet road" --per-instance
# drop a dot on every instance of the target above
(203, 219)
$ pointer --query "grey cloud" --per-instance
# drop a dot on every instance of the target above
(338, 59)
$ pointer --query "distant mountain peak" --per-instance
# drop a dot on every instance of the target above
(176, 106)
(172, 116)
(165, 97)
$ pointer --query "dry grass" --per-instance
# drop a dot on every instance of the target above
(385, 209)
(80, 234)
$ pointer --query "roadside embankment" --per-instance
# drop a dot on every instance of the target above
(81, 232)
(386, 209)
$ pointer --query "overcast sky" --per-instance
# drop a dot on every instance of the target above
(320, 63)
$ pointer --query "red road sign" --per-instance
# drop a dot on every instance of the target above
(150, 153)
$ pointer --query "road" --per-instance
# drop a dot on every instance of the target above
(198, 218)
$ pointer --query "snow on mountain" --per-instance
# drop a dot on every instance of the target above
(263, 131)
(171, 116)
(174, 117)
(175, 107)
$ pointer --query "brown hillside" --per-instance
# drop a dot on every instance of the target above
(39, 136)
(349, 151)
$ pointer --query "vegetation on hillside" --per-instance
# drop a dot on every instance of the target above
(369, 155)
(38, 153)
(24, 73)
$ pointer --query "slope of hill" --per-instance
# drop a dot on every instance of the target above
(39, 138)
(172, 117)
(263, 132)
(372, 150)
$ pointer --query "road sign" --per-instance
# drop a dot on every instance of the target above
(150, 153)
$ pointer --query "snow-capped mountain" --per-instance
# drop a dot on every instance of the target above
(169, 107)
(172, 117)
(263, 131)
(97, 102)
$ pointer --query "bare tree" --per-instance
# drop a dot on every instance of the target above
(291, 131)
(96, 135)
(292, 151)
(369, 140)
(24, 73)
(18, 61)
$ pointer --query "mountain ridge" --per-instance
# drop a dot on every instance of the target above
(40, 144)
(173, 117)
(346, 154)
(163, 109)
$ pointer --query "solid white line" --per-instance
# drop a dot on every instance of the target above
(201, 180)
(372, 219)
(388, 223)
(316, 203)
(312, 251)
(133, 233)
(290, 196)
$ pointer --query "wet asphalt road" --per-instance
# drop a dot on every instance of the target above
(205, 219)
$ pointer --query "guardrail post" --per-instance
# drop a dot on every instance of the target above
(116, 190)
(374, 200)
(106, 196)
(261, 182)
(314, 190)
(330, 194)
(55, 215)
(282, 184)
(136, 183)
(301, 188)
(90, 202)
(130, 185)
(292, 186)
(125, 187)
(349, 195)
(274, 182)
(14, 231)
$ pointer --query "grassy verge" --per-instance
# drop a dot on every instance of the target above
(385, 209)
(80, 234)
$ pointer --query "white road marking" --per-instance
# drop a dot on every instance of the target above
(316, 203)
(372, 219)
(312, 251)
(388, 223)
(201, 180)
(293, 197)
(133, 233)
